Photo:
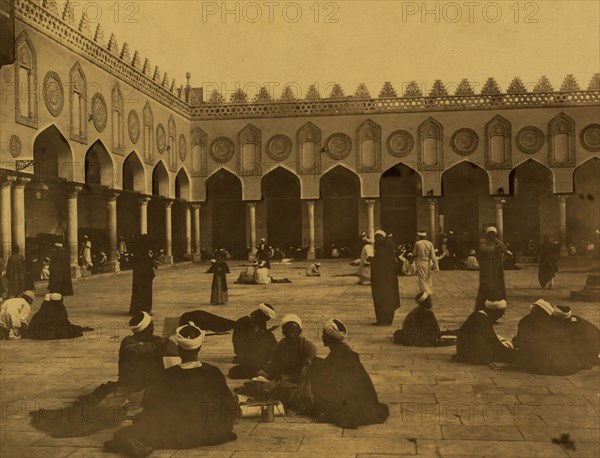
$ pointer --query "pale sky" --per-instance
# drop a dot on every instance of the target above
(349, 42)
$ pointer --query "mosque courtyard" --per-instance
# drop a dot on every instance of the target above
(438, 408)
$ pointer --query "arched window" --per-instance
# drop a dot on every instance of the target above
(118, 122)
(498, 143)
(308, 141)
(148, 134)
(368, 144)
(431, 145)
(249, 159)
(561, 141)
(26, 82)
(78, 103)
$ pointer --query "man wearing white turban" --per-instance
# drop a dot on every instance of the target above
(51, 321)
(425, 260)
(490, 254)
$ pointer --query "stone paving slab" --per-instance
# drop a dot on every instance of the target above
(438, 408)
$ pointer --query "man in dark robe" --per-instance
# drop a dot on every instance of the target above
(384, 280)
(15, 273)
(477, 341)
(60, 271)
(420, 327)
(190, 406)
(582, 336)
(341, 388)
(253, 343)
(207, 321)
(490, 255)
(543, 343)
(263, 252)
(51, 321)
(142, 277)
(218, 290)
(548, 265)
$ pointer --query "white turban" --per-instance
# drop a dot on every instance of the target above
(291, 318)
(422, 234)
(561, 311)
(185, 342)
(53, 297)
(267, 309)
(495, 305)
(262, 264)
(333, 330)
(143, 324)
(380, 232)
(544, 305)
(422, 297)
(491, 229)
(29, 294)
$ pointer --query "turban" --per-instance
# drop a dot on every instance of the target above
(213, 260)
(187, 343)
(562, 311)
(544, 305)
(262, 264)
(472, 252)
(422, 234)
(317, 264)
(267, 309)
(380, 232)
(88, 244)
(53, 297)
(495, 305)
(421, 297)
(58, 245)
(491, 229)
(143, 324)
(336, 329)
(255, 262)
(29, 294)
(291, 318)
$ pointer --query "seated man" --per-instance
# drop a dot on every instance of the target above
(252, 342)
(541, 342)
(472, 262)
(477, 341)
(313, 270)
(341, 388)
(582, 335)
(190, 406)
(51, 321)
(261, 276)
(420, 327)
(247, 276)
(14, 316)
(409, 267)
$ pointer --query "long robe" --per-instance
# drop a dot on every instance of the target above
(364, 268)
(142, 278)
(263, 253)
(584, 338)
(478, 343)
(187, 408)
(548, 265)
(140, 362)
(253, 344)
(343, 391)
(218, 290)
(425, 259)
(51, 322)
(207, 321)
(384, 282)
(420, 329)
(15, 275)
(60, 272)
(491, 272)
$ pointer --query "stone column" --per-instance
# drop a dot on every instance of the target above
(432, 225)
(168, 233)
(252, 214)
(5, 218)
(371, 218)
(112, 265)
(188, 232)
(18, 213)
(197, 256)
(72, 225)
(562, 205)
(144, 215)
(500, 201)
(311, 255)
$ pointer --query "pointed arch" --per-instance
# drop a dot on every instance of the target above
(431, 145)
(134, 174)
(26, 92)
(465, 177)
(582, 206)
(249, 145)
(561, 141)
(52, 156)
(99, 168)
(531, 177)
(308, 148)
(498, 143)
(281, 192)
(172, 143)
(117, 120)
(161, 183)
(368, 147)
(148, 139)
(182, 185)
(78, 103)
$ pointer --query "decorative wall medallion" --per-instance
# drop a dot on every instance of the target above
(590, 138)
(99, 112)
(133, 124)
(182, 147)
(464, 141)
(14, 146)
(279, 147)
(54, 93)
(530, 139)
(222, 149)
(400, 143)
(161, 138)
(339, 146)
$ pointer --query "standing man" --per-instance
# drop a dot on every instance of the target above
(264, 252)
(364, 268)
(491, 268)
(60, 271)
(425, 259)
(15, 273)
(548, 265)
(142, 278)
(384, 280)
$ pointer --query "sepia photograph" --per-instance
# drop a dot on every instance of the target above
(372, 226)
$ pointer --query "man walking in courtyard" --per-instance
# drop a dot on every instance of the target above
(491, 269)
(425, 259)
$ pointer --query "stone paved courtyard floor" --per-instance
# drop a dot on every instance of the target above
(437, 408)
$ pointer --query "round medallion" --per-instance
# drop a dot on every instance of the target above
(400, 143)
(54, 93)
(182, 147)
(590, 138)
(133, 124)
(14, 146)
(222, 149)
(338, 146)
(530, 139)
(279, 147)
(99, 112)
(464, 141)
(161, 138)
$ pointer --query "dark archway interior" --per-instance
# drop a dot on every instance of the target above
(400, 187)
(583, 207)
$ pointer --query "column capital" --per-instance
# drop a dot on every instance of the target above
(167, 203)
(196, 205)
(7, 180)
(144, 200)
(370, 202)
(22, 181)
(73, 190)
(500, 200)
(432, 201)
(563, 197)
(251, 204)
(310, 203)
(112, 195)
